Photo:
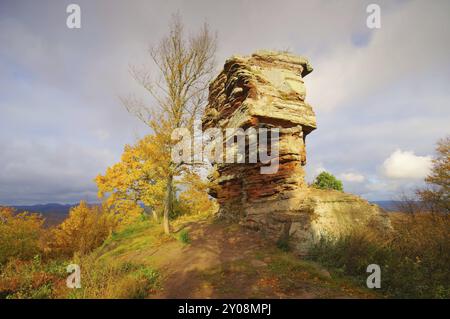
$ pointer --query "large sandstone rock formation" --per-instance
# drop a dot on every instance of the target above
(267, 90)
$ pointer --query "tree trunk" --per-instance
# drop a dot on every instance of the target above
(155, 215)
(168, 203)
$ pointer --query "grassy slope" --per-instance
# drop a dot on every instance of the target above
(219, 261)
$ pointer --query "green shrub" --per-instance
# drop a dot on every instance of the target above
(184, 236)
(283, 244)
(143, 217)
(326, 180)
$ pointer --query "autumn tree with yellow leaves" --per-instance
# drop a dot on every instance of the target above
(185, 66)
(140, 177)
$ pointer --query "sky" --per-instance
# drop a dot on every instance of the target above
(381, 96)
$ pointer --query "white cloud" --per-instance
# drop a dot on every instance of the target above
(406, 165)
(352, 177)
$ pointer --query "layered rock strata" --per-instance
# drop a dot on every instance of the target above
(266, 90)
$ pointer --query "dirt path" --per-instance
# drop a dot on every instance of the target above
(227, 261)
(211, 246)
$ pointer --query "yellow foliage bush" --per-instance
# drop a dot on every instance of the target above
(20, 234)
(84, 229)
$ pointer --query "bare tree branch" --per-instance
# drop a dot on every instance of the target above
(184, 68)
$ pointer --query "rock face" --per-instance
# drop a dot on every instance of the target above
(266, 90)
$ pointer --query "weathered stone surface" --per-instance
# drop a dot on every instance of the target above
(309, 214)
(267, 90)
(266, 87)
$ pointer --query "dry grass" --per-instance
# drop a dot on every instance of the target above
(414, 258)
(114, 280)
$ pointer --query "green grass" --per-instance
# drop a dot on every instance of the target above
(184, 236)
(140, 237)
(120, 267)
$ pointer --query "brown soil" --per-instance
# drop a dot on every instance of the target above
(227, 261)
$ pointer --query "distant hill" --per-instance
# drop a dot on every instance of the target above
(53, 213)
(388, 205)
